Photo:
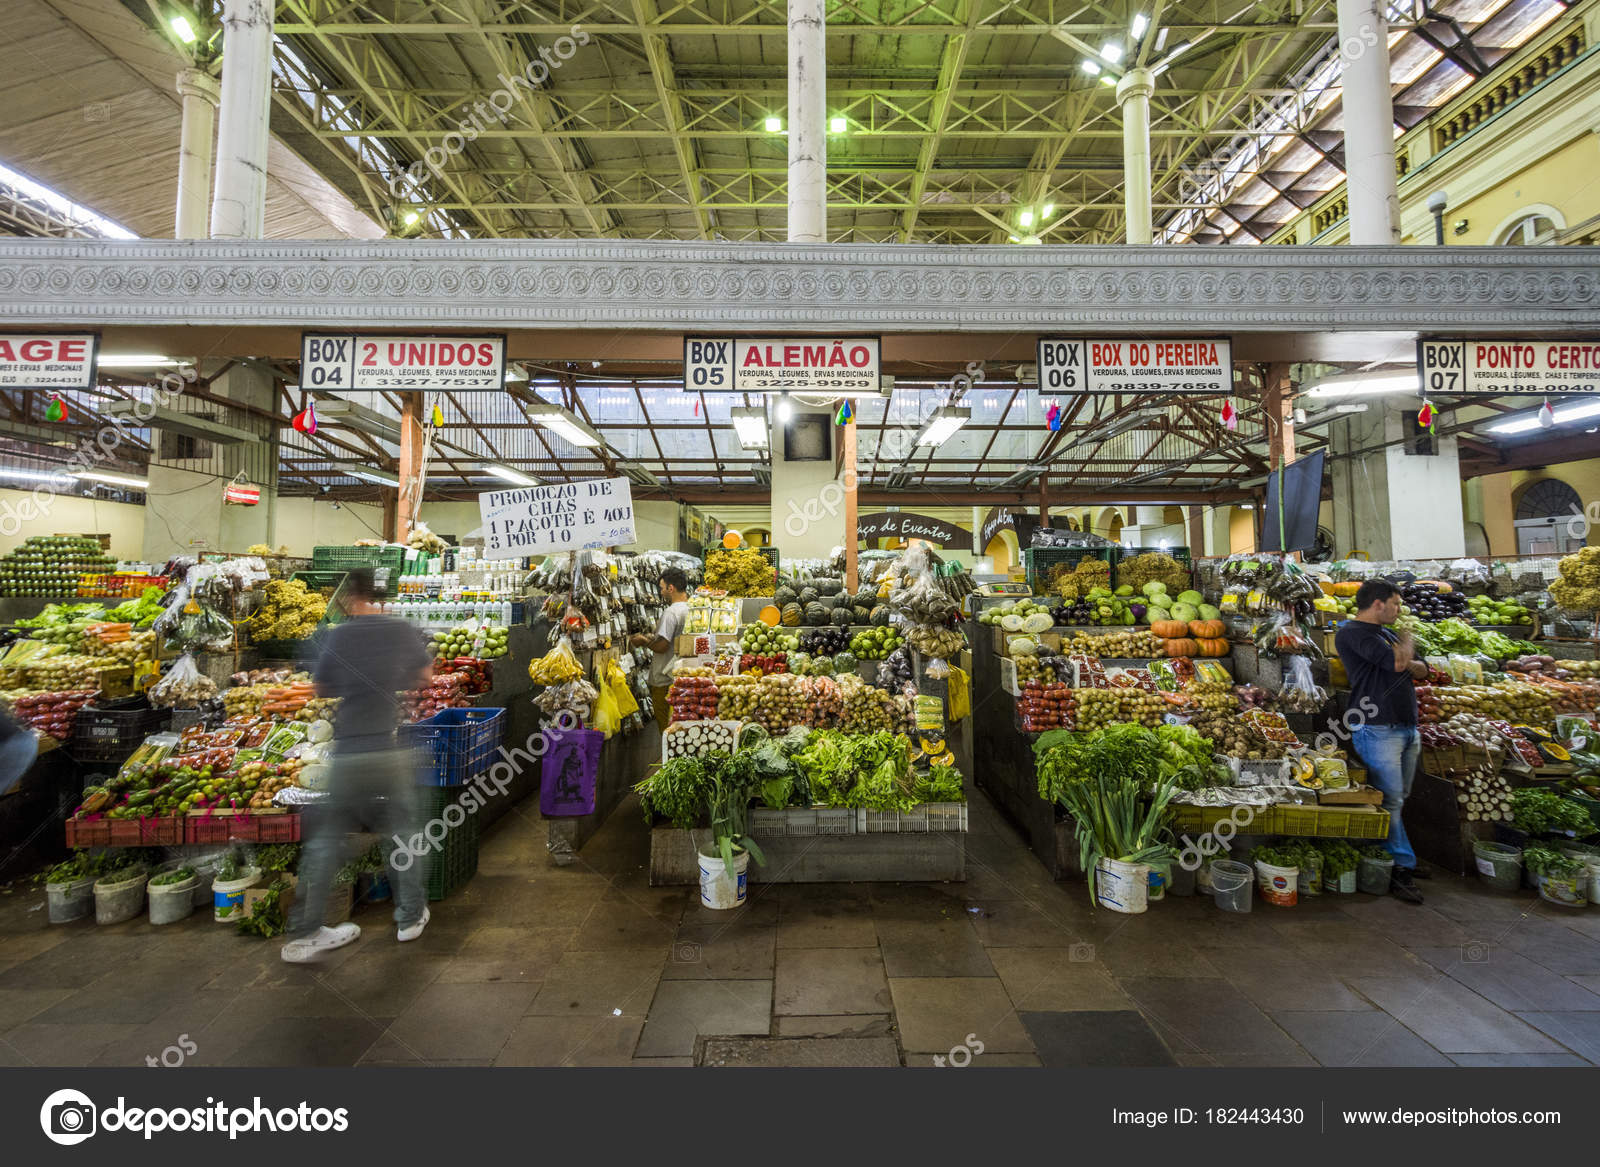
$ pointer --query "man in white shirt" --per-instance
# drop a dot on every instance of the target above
(674, 618)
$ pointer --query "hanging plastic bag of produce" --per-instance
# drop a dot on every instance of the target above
(960, 694)
(1301, 693)
(184, 685)
(617, 681)
(606, 717)
(557, 666)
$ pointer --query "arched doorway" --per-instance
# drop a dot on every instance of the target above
(1543, 512)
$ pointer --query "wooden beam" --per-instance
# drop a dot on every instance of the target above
(410, 464)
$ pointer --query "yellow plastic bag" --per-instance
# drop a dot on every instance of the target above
(617, 683)
(960, 694)
(606, 718)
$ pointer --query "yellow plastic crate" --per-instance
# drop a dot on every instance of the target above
(1332, 822)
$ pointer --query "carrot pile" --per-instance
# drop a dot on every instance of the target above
(288, 699)
(110, 633)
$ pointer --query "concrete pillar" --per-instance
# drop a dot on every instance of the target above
(852, 517)
(808, 503)
(410, 465)
(977, 532)
(239, 206)
(1133, 95)
(1388, 503)
(808, 123)
(200, 93)
(1368, 124)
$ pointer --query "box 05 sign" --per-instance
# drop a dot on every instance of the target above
(463, 364)
(574, 516)
(795, 364)
(1552, 367)
(1075, 365)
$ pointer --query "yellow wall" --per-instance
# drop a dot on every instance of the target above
(1500, 492)
(1564, 180)
(1242, 530)
(72, 515)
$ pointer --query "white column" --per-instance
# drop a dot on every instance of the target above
(1368, 124)
(199, 91)
(239, 206)
(1133, 95)
(977, 532)
(808, 124)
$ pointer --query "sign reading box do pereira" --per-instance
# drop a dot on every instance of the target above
(571, 516)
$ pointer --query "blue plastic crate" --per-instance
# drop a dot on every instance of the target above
(455, 745)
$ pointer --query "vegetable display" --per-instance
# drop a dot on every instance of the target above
(1578, 589)
(741, 571)
(1539, 812)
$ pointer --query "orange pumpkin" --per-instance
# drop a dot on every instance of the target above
(1205, 628)
(1181, 646)
(1167, 629)
(1214, 646)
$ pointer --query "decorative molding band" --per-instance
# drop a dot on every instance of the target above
(687, 286)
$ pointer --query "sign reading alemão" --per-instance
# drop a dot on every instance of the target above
(796, 364)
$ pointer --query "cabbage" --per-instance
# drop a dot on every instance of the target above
(1210, 612)
(1154, 588)
(1011, 622)
(1191, 597)
(1038, 622)
(1185, 612)
(1023, 646)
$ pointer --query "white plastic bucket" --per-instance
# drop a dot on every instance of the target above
(720, 887)
(1122, 887)
(1278, 885)
(70, 901)
(119, 901)
(1342, 884)
(1230, 883)
(227, 895)
(171, 902)
(1570, 891)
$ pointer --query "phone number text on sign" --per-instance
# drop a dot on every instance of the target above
(1509, 366)
(573, 516)
(463, 363)
(776, 365)
(1199, 367)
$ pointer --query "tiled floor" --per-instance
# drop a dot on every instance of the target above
(535, 965)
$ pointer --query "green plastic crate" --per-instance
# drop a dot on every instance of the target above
(448, 867)
(346, 558)
(330, 583)
(1040, 561)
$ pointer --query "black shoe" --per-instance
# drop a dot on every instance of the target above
(1419, 873)
(1401, 887)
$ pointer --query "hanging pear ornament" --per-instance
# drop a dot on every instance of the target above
(1547, 415)
(1230, 415)
(1426, 416)
(305, 422)
(56, 410)
(438, 416)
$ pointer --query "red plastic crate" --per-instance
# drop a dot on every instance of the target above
(89, 832)
(212, 830)
(165, 831)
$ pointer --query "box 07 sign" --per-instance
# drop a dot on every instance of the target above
(1560, 367)
(572, 516)
(1203, 367)
(459, 363)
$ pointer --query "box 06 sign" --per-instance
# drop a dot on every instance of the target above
(798, 364)
(1135, 366)
(574, 516)
(48, 361)
(460, 363)
(1509, 366)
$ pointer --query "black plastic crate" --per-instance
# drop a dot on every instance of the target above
(112, 730)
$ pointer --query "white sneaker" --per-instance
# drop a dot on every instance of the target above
(412, 931)
(323, 940)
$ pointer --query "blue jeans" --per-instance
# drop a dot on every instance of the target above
(374, 791)
(1391, 753)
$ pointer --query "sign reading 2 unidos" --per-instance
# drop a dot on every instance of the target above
(462, 364)
(574, 516)
(1509, 366)
(1074, 365)
(794, 364)
(63, 360)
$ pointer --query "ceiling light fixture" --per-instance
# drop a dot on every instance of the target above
(336, 413)
(368, 474)
(1365, 384)
(774, 125)
(1111, 51)
(564, 425)
(785, 408)
(136, 361)
(185, 31)
(1140, 23)
(113, 479)
(1048, 210)
(1026, 218)
(750, 426)
(1563, 415)
(507, 474)
(837, 125)
(946, 420)
(1091, 67)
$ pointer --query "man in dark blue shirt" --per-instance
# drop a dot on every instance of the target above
(1382, 665)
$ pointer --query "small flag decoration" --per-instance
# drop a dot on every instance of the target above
(1426, 416)
(846, 414)
(1052, 416)
(56, 410)
(1230, 415)
(305, 422)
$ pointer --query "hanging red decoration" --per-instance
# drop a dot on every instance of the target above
(305, 422)
(1425, 416)
(56, 410)
(1052, 416)
(1230, 415)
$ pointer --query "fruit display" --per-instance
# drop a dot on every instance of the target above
(486, 641)
(693, 698)
(1138, 571)
(896, 671)
(1578, 589)
(940, 643)
(875, 643)
(49, 565)
(1513, 701)
(62, 671)
(290, 611)
(52, 714)
(761, 639)
(1483, 609)
(1126, 645)
(741, 571)
(1046, 705)
(824, 641)
(760, 663)
(1434, 600)
(1013, 615)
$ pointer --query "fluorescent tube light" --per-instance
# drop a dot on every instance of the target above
(337, 413)
(507, 474)
(1366, 384)
(367, 474)
(113, 479)
(1564, 414)
(564, 425)
(1140, 23)
(37, 475)
(943, 425)
(785, 408)
(750, 426)
(136, 361)
(184, 30)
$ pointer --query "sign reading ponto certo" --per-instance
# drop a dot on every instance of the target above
(797, 364)
(1509, 366)
(62, 360)
(1203, 367)
(459, 363)
(575, 516)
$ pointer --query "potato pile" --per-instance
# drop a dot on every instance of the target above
(1232, 737)
(1122, 645)
(1513, 701)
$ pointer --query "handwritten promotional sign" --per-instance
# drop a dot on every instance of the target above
(1509, 366)
(460, 363)
(574, 516)
(795, 364)
(48, 360)
(1074, 365)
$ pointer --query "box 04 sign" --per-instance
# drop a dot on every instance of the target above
(460, 363)
(574, 516)
(1203, 367)
(1555, 367)
(63, 360)
(795, 364)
